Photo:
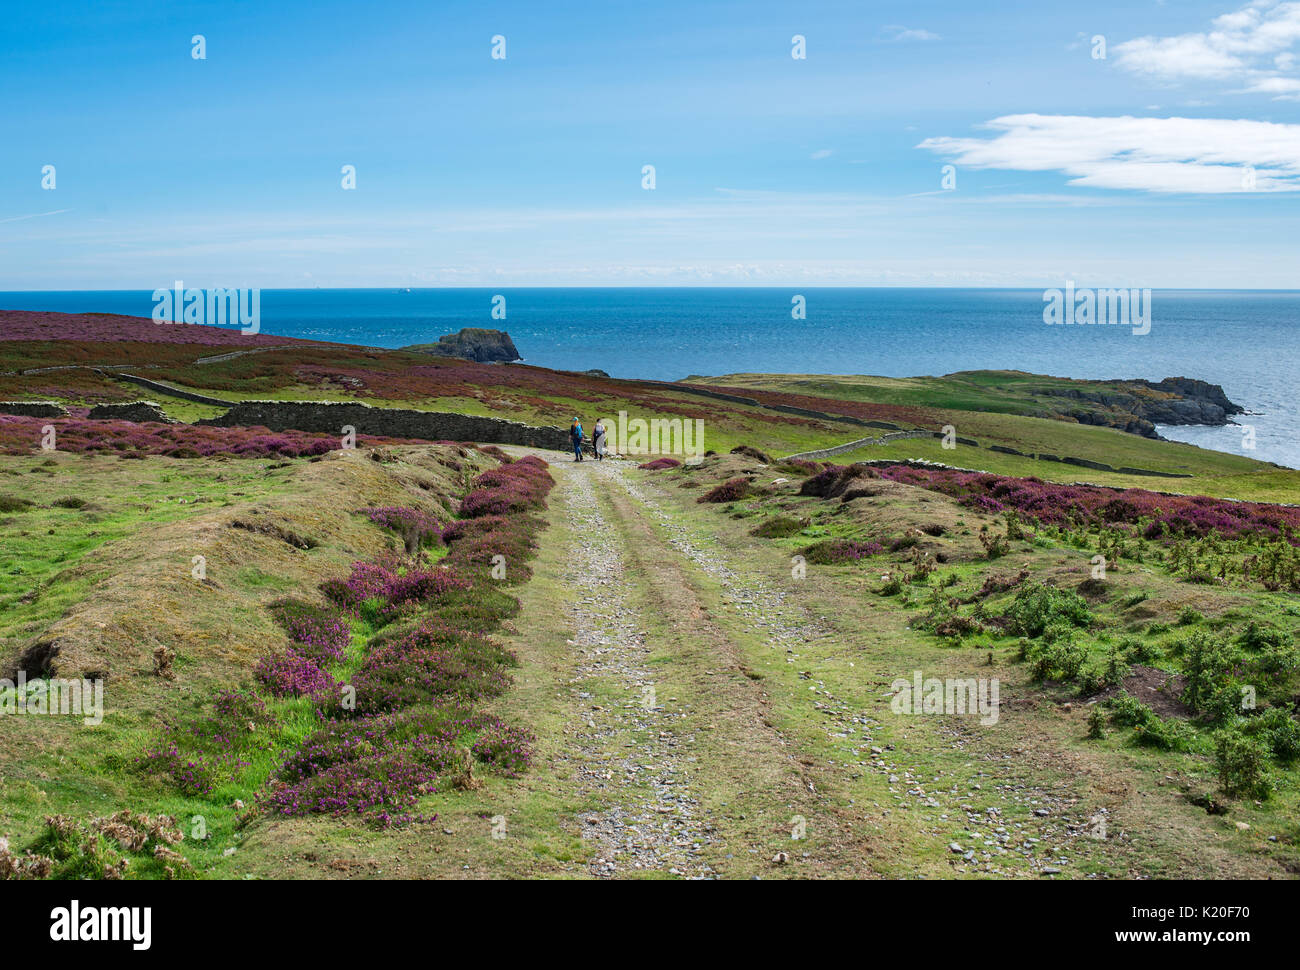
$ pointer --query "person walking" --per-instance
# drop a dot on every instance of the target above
(598, 440)
(575, 435)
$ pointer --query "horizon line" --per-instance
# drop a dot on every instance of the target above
(681, 286)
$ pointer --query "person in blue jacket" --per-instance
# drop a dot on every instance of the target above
(575, 435)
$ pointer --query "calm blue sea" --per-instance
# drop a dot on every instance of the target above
(1248, 341)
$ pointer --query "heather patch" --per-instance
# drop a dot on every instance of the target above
(407, 725)
(394, 678)
(385, 786)
(319, 633)
(12, 503)
(493, 540)
(290, 674)
(475, 528)
(1153, 514)
(505, 548)
(729, 491)
(517, 487)
(1184, 516)
(379, 591)
(41, 325)
(21, 436)
(416, 527)
(821, 483)
(797, 466)
(834, 551)
(660, 463)
(199, 755)
(506, 749)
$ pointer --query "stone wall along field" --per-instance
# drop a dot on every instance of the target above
(332, 417)
(33, 409)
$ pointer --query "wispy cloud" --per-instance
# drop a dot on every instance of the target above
(820, 154)
(35, 215)
(1191, 155)
(897, 32)
(1250, 47)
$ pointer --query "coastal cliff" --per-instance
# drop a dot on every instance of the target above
(1137, 406)
(473, 343)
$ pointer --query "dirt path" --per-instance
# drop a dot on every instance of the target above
(629, 746)
(673, 738)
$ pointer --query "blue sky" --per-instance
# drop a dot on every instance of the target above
(1135, 169)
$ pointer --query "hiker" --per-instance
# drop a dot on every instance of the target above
(598, 439)
(575, 435)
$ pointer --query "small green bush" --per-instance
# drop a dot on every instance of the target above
(1096, 723)
(1150, 729)
(1279, 731)
(1210, 663)
(1239, 760)
(12, 503)
(1037, 607)
(779, 526)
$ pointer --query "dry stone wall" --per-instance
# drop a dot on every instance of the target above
(332, 417)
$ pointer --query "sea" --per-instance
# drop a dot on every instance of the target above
(1246, 340)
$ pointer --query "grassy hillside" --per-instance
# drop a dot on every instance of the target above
(1006, 409)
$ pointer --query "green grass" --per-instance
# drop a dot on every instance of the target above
(877, 638)
(43, 548)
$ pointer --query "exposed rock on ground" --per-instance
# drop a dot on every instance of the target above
(1137, 406)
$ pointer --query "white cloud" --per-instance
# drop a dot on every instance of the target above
(897, 32)
(1251, 46)
(1192, 155)
(820, 154)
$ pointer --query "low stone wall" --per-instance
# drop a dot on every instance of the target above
(137, 411)
(331, 417)
(783, 408)
(167, 389)
(861, 443)
(33, 409)
(970, 442)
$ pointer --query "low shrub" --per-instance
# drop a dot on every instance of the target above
(750, 452)
(319, 633)
(1240, 761)
(416, 527)
(778, 527)
(201, 753)
(835, 551)
(1036, 607)
(290, 674)
(506, 749)
(517, 487)
(1150, 729)
(1211, 665)
(1278, 730)
(729, 491)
